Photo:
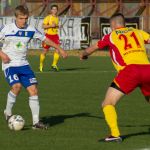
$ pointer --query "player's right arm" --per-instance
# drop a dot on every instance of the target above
(88, 51)
(100, 44)
(3, 56)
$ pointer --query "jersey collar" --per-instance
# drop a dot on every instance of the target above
(119, 28)
(21, 28)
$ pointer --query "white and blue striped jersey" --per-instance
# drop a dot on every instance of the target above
(16, 41)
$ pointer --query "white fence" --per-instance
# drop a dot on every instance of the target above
(72, 33)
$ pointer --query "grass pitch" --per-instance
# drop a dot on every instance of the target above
(70, 103)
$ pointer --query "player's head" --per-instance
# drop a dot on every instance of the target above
(21, 14)
(54, 9)
(117, 20)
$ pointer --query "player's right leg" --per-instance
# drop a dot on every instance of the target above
(13, 80)
(43, 55)
(113, 95)
(125, 82)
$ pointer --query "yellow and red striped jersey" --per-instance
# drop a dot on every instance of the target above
(49, 20)
(127, 46)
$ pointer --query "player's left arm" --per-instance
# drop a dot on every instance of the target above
(146, 36)
(3, 56)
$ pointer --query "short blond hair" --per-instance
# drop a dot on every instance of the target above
(21, 10)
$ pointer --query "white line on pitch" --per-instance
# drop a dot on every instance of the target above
(144, 149)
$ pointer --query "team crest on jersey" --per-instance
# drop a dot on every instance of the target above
(20, 33)
(20, 45)
(33, 80)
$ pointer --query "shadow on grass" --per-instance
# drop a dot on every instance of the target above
(74, 69)
(128, 126)
(136, 134)
(27, 128)
(54, 120)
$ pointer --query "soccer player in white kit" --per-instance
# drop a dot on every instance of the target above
(16, 68)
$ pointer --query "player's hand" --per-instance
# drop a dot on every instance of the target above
(5, 58)
(60, 26)
(64, 54)
(83, 56)
(53, 25)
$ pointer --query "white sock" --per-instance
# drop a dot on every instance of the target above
(35, 108)
(11, 99)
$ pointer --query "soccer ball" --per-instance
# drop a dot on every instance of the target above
(16, 122)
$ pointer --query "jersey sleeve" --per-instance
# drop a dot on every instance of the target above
(103, 42)
(45, 21)
(145, 35)
(39, 35)
(2, 32)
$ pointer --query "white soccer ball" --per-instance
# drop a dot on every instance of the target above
(16, 122)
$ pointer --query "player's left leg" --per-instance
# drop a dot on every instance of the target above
(43, 55)
(125, 82)
(42, 59)
(35, 107)
(112, 97)
(34, 103)
(29, 81)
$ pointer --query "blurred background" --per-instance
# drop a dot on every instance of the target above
(94, 14)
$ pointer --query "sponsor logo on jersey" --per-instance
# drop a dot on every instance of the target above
(123, 31)
(33, 80)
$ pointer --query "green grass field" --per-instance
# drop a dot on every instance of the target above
(70, 103)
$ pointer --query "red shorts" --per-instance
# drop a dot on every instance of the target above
(54, 38)
(134, 76)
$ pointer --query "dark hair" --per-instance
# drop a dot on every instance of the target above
(117, 15)
(21, 10)
(54, 6)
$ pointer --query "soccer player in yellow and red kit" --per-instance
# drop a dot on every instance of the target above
(129, 57)
(51, 26)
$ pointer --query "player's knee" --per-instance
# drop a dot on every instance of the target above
(107, 102)
(33, 91)
(45, 51)
(16, 88)
(56, 51)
